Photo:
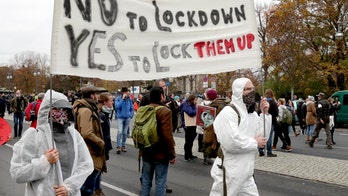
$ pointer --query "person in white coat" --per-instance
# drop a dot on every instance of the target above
(240, 137)
(46, 168)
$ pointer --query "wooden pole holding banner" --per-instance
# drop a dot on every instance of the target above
(263, 93)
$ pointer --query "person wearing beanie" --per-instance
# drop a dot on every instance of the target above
(210, 95)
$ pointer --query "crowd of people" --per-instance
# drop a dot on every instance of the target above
(252, 127)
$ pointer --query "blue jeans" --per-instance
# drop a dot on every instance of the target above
(18, 119)
(90, 184)
(310, 130)
(269, 142)
(122, 125)
(160, 170)
(98, 182)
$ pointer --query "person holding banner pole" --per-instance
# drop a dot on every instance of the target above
(52, 160)
(240, 135)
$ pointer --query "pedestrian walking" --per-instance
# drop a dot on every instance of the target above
(17, 107)
(323, 120)
(240, 135)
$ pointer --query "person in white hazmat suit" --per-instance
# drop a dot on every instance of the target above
(34, 160)
(240, 140)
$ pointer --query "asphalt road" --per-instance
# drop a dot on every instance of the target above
(194, 178)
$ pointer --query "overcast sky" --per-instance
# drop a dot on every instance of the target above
(26, 25)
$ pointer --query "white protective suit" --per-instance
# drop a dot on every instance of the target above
(29, 164)
(238, 145)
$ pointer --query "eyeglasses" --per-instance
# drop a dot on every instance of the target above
(249, 88)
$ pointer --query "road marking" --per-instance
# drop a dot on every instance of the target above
(118, 189)
(343, 134)
(9, 145)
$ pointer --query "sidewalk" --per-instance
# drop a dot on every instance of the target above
(333, 171)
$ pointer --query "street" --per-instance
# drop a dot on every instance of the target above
(188, 178)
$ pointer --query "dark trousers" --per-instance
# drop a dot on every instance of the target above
(89, 186)
(18, 118)
(332, 133)
(190, 135)
(317, 129)
(279, 133)
(200, 142)
(285, 131)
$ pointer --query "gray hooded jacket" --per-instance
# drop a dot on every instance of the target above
(30, 165)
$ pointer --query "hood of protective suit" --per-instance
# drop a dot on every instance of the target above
(237, 93)
(59, 100)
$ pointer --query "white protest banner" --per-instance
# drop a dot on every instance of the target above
(145, 39)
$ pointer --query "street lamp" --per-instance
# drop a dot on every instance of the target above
(339, 33)
(36, 74)
(9, 78)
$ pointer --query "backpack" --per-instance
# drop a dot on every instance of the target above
(144, 133)
(210, 144)
(32, 112)
(287, 117)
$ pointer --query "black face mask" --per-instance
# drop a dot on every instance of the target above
(249, 100)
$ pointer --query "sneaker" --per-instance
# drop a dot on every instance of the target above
(274, 148)
(207, 162)
(193, 157)
(329, 147)
(118, 150)
(296, 133)
(261, 154)
(310, 144)
(123, 149)
(188, 159)
(98, 192)
(288, 149)
(271, 155)
(168, 189)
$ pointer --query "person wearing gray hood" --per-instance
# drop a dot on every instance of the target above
(47, 168)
